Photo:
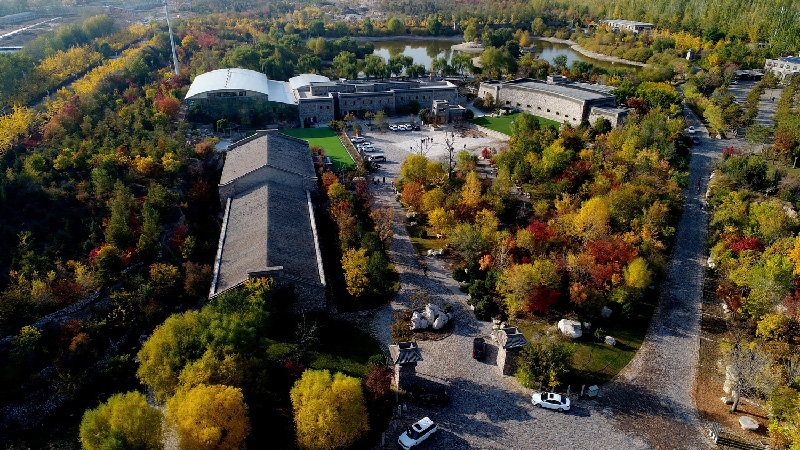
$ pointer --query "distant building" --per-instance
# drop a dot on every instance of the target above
(246, 95)
(557, 99)
(18, 18)
(320, 101)
(628, 25)
(242, 95)
(269, 228)
(783, 68)
(447, 112)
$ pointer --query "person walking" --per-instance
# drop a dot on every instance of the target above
(698, 186)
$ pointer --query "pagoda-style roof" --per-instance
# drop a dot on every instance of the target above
(511, 338)
(405, 353)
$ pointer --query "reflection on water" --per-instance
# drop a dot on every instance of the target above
(425, 51)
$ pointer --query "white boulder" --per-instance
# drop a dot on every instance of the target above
(748, 423)
(570, 328)
(611, 341)
(441, 321)
(430, 312)
(419, 323)
(605, 312)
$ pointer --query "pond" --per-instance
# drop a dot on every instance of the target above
(426, 50)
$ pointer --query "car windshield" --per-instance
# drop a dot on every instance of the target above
(412, 433)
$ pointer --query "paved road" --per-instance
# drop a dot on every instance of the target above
(648, 405)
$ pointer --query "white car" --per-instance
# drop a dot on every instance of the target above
(550, 400)
(393, 127)
(417, 433)
(358, 140)
(691, 130)
(369, 149)
(364, 144)
(378, 157)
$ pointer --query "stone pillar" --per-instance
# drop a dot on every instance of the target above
(405, 375)
(501, 359)
(509, 361)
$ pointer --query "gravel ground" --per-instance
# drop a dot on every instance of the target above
(649, 405)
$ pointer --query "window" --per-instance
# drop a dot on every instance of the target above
(518, 104)
(508, 102)
(528, 106)
(329, 106)
(557, 113)
(548, 109)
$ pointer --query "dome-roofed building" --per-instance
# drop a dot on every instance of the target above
(241, 95)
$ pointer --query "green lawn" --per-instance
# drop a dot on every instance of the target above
(327, 139)
(423, 244)
(503, 123)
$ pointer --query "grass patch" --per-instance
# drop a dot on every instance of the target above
(342, 347)
(595, 362)
(327, 139)
(502, 124)
(424, 239)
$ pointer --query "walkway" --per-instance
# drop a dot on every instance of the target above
(652, 396)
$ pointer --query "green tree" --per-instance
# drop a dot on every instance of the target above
(433, 25)
(309, 64)
(118, 231)
(395, 26)
(209, 417)
(346, 65)
(375, 66)
(366, 27)
(381, 120)
(518, 283)
(329, 411)
(470, 33)
(545, 361)
(316, 28)
(125, 421)
(148, 239)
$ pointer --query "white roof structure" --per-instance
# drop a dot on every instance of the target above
(232, 80)
(306, 79)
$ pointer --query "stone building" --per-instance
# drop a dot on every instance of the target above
(447, 112)
(511, 342)
(268, 228)
(247, 96)
(321, 101)
(404, 358)
(557, 99)
(628, 25)
(783, 68)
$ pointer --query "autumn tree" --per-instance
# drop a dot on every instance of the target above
(209, 417)
(442, 220)
(118, 231)
(520, 283)
(354, 265)
(329, 411)
(125, 420)
(471, 192)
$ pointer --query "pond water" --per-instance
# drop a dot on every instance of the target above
(426, 50)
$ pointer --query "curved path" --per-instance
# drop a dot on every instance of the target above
(652, 396)
(648, 405)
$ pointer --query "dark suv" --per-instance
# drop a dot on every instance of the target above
(479, 348)
(434, 396)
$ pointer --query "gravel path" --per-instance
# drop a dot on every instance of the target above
(648, 405)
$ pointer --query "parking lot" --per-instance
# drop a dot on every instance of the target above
(397, 145)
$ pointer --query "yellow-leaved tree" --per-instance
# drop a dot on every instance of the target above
(591, 221)
(329, 411)
(518, 283)
(442, 220)
(471, 192)
(637, 274)
(209, 417)
(124, 418)
(354, 264)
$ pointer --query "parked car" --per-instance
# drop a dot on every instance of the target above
(407, 127)
(691, 130)
(415, 127)
(376, 157)
(369, 149)
(417, 433)
(393, 127)
(358, 140)
(363, 144)
(479, 348)
(695, 140)
(550, 400)
(435, 396)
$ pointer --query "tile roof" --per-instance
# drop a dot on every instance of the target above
(271, 148)
(511, 338)
(405, 353)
